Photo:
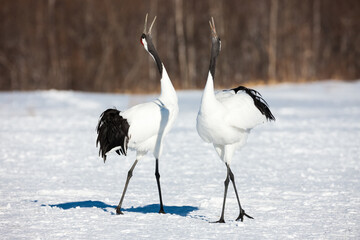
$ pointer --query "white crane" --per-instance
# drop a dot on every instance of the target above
(226, 118)
(142, 127)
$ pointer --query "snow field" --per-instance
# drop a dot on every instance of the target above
(298, 177)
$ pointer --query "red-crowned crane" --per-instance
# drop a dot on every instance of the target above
(142, 127)
(226, 118)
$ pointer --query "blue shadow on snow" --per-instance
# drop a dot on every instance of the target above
(151, 208)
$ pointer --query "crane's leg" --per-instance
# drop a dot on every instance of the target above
(157, 175)
(118, 208)
(226, 183)
(242, 211)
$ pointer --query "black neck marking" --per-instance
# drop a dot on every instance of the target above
(157, 60)
(153, 52)
(212, 66)
(215, 49)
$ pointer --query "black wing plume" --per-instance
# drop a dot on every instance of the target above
(112, 131)
(259, 102)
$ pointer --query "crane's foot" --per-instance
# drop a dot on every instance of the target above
(221, 220)
(162, 211)
(242, 214)
(118, 211)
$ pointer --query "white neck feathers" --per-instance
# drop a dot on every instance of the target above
(208, 99)
(168, 94)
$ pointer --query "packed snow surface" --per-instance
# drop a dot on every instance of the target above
(299, 177)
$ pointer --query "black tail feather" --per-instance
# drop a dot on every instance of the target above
(259, 102)
(112, 131)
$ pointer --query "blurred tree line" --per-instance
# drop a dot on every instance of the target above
(93, 45)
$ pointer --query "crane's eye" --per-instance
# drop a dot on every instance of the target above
(142, 38)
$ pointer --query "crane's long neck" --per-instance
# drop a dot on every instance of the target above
(208, 98)
(168, 93)
(212, 63)
(157, 59)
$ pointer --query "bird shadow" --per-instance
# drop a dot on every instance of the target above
(151, 208)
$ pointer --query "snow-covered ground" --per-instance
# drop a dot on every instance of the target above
(298, 177)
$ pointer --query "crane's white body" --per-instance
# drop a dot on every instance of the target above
(226, 118)
(150, 122)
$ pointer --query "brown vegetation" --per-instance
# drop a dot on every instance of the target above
(94, 45)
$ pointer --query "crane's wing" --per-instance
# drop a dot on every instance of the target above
(146, 120)
(245, 107)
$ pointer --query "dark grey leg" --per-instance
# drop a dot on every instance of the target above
(242, 211)
(118, 208)
(157, 175)
(226, 183)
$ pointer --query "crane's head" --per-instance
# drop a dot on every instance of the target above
(215, 39)
(146, 38)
